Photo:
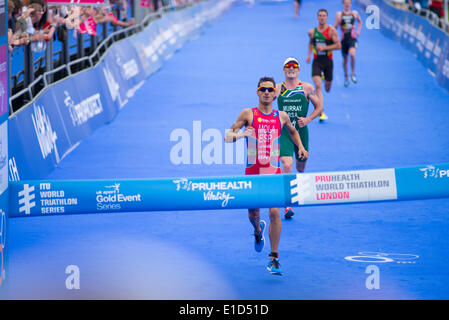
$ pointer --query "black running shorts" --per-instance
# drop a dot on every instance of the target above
(347, 44)
(323, 65)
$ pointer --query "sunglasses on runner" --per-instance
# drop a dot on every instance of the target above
(264, 89)
(289, 65)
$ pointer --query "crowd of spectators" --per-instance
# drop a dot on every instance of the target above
(422, 7)
(419, 4)
(435, 6)
(39, 30)
(35, 22)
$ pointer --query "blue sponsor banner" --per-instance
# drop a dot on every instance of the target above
(83, 108)
(112, 75)
(4, 229)
(429, 181)
(152, 43)
(195, 21)
(212, 10)
(167, 37)
(3, 156)
(172, 31)
(434, 47)
(31, 198)
(128, 65)
(157, 39)
(35, 198)
(391, 21)
(443, 67)
(43, 133)
(145, 52)
(110, 108)
(423, 39)
(13, 150)
(411, 29)
(49, 128)
(21, 158)
(68, 100)
(95, 108)
(180, 22)
(37, 138)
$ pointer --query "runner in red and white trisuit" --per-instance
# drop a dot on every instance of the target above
(263, 130)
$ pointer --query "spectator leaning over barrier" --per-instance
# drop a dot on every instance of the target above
(13, 40)
(84, 19)
(34, 25)
(102, 15)
(11, 18)
(46, 21)
(57, 14)
(42, 28)
(72, 19)
(16, 12)
(123, 9)
(120, 7)
(400, 4)
(21, 25)
(156, 5)
(16, 35)
(87, 24)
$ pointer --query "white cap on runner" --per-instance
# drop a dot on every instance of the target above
(290, 59)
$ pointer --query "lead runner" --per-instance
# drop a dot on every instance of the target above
(263, 126)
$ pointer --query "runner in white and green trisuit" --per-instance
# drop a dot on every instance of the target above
(293, 97)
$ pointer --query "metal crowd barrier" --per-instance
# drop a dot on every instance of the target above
(431, 16)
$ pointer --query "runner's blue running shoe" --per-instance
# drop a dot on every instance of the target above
(259, 242)
(274, 267)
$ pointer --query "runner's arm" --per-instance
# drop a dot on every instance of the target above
(310, 45)
(359, 21)
(318, 106)
(294, 135)
(337, 20)
(233, 134)
(337, 44)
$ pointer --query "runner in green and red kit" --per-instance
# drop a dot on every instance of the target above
(323, 40)
(293, 97)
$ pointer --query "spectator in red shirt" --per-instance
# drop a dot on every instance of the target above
(437, 7)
